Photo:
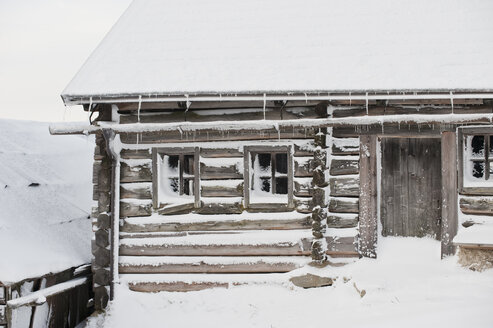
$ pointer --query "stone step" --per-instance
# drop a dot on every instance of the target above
(197, 264)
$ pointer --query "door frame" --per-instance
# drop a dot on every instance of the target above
(369, 192)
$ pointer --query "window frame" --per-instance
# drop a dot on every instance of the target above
(463, 133)
(248, 150)
(175, 151)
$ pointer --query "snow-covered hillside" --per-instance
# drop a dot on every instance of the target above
(407, 286)
(45, 200)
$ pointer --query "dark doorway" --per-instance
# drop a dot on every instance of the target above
(411, 187)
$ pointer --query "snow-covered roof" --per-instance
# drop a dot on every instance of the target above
(231, 46)
(45, 200)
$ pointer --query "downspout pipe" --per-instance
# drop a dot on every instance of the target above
(113, 149)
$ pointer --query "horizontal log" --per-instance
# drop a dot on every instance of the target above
(203, 115)
(343, 167)
(481, 206)
(220, 208)
(211, 105)
(136, 173)
(267, 129)
(175, 209)
(175, 286)
(408, 110)
(303, 187)
(425, 130)
(250, 265)
(228, 171)
(135, 153)
(341, 245)
(222, 190)
(220, 152)
(303, 167)
(338, 205)
(129, 209)
(286, 249)
(215, 135)
(307, 149)
(346, 146)
(337, 221)
(220, 225)
(344, 187)
(304, 204)
(476, 191)
(136, 190)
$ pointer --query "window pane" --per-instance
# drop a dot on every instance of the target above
(282, 163)
(174, 185)
(264, 161)
(188, 187)
(188, 165)
(282, 185)
(265, 184)
(477, 145)
(478, 169)
(173, 162)
(491, 145)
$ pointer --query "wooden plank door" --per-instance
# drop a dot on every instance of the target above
(411, 187)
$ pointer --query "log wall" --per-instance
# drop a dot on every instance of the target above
(326, 182)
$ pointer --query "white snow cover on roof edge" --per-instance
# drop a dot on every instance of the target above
(228, 46)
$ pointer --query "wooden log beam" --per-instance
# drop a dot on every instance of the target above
(220, 225)
(368, 197)
(278, 126)
(449, 223)
(482, 206)
(204, 266)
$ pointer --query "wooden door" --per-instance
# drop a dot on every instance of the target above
(411, 187)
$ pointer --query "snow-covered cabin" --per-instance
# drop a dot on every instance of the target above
(45, 204)
(255, 136)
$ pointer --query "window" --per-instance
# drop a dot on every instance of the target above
(480, 153)
(175, 176)
(476, 164)
(268, 175)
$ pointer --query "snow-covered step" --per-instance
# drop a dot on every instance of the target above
(201, 222)
(201, 264)
(194, 282)
(247, 243)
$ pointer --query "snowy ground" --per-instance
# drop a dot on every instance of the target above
(407, 286)
(45, 200)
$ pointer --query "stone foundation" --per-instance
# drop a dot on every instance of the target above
(476, 259)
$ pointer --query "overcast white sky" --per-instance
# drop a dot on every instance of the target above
(42, 46)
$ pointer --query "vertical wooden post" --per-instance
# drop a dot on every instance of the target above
(368, 220)
(448, 227)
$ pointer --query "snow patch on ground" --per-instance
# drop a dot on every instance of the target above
(43, 227)
(407, 286)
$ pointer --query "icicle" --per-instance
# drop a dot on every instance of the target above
(452, 101)
(188, 102)
(265, 102)
(367, 103)
(138, 108)
(276, 126)
(90, 109)
(181, 132)
(350, 100)
(306, 98)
